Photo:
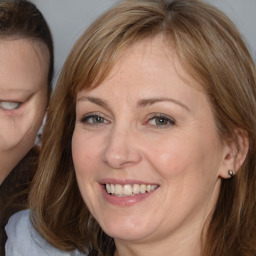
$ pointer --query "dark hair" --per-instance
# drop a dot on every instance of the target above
(22, 19)
(212, 50)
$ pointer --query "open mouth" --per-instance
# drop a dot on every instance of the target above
(129, 189)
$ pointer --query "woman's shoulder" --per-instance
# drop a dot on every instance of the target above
(23, 239)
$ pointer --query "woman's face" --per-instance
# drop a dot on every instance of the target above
(23, 92)
(145, 148)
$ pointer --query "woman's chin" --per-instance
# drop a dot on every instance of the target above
(127, 233)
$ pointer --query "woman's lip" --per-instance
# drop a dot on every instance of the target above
(124, 182)
(125, 201)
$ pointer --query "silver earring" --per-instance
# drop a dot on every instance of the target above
(230, 173)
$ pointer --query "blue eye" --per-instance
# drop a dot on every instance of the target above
(94, 120)
(8, 105)
(161, 120)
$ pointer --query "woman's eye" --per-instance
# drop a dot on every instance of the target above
(94, 120)
(8, 105)
(161, 121)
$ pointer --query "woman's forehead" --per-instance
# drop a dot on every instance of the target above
(158, 46)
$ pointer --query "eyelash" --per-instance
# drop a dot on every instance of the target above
(10, 105)
(86, 119)
(166, 121)
(161, 121)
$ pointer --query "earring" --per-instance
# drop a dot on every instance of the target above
(230, 173)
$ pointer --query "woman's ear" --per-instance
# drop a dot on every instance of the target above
(234, 153)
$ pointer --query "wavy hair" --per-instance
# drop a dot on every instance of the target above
(212, 50)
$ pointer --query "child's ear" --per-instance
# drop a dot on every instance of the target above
(234, 153)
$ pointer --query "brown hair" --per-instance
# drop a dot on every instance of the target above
(212, 50)
(22, 19)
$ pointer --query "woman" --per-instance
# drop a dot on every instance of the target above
(26, 63)
(149, 146)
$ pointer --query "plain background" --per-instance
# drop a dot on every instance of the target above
(69, 18)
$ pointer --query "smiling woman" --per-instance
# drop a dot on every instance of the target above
(26, 63)
(129, 156)
(150, 141)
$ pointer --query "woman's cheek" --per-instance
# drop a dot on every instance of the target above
(11, 132)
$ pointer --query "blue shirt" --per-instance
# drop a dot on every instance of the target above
(24, 240)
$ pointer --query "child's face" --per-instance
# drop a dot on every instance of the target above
(24, 68)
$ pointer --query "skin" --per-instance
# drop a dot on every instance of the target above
(128, 142)
(23, 98)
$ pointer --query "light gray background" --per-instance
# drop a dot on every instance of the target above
(68, 19)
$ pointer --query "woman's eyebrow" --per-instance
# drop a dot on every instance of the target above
(151, 101)
(94, 100)
(141, 103)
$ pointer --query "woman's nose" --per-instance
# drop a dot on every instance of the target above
(121, 149)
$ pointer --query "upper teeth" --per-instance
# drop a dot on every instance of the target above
(129, 190)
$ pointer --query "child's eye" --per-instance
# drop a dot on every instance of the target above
(93, 119)
(161, 121)
(8, 105)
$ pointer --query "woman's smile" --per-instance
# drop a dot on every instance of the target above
(129, 189)
(127, 192)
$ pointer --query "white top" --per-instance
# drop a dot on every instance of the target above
(24, 240)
